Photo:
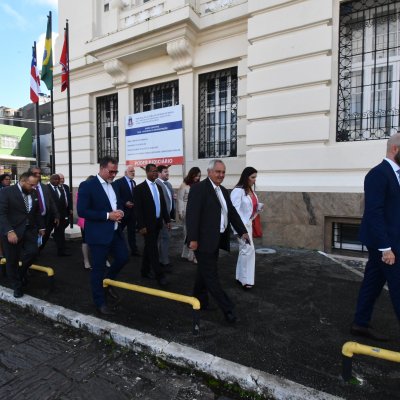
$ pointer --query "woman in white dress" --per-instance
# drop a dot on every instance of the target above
(246, 203)
(192, 177)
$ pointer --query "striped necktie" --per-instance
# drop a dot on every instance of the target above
(26, 201)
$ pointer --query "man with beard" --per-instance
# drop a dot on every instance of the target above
(380, 232)
(21, 222)
(102, 210)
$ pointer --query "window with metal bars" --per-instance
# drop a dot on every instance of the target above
(218, 114)
(345, 237)
(369, 70)
(156, 96)
(107, 126)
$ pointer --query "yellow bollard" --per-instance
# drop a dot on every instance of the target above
(195, 303)
(351, 348)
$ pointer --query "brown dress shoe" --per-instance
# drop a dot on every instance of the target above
(367, 332)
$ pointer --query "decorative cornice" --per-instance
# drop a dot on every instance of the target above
(117, 70)
(181, 53)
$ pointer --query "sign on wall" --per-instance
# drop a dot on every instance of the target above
(155, 137)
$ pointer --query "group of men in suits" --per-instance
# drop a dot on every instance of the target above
(29, 211)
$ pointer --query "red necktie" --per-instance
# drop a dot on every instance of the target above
(41, 208)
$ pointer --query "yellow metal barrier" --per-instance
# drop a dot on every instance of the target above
(195, 303)
(351, 348)
(49, 271)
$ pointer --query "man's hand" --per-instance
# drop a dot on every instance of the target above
(56, 221)
(193, 245)
(12, 237)
(143, 231)
(388, 257)
(115, 215)
(168, 225)
(129, 204)
(42, 232)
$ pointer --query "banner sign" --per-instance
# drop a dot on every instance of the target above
(154, 137)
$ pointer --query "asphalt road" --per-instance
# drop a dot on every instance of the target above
(292, 324)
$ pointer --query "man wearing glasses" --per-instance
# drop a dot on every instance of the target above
(101, 208)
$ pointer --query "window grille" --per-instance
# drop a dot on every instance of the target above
(345, 237)
(369, 70)
(107, 126)
(156, 96)
(218, 114)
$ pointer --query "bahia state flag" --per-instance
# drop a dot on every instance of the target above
(47, 66)
(35, 80)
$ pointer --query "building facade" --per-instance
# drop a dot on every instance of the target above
(304, 91)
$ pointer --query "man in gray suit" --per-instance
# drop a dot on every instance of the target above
(163, 239)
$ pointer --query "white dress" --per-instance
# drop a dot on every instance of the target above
(245, 267)
(183, 194)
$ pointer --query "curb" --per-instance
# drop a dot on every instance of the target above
(184, 356)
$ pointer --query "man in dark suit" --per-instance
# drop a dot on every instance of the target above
(102, 210)
(124, 188)
(151, 212)
(63, 212)
(47, 206)
(163, 240)
(380, 232)
(208, 215)
(68, 198)
(21, 223)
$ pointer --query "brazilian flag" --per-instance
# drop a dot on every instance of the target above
(47, 66)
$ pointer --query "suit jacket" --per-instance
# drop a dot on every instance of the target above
(61, 206)
(380, 226)
(51, 208)
(145, 208)
(13, 214)
(165, 187)
(93, 205)
(203, 218)
(123, 190)
(68, 196)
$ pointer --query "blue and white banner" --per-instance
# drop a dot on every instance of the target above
(155, 137)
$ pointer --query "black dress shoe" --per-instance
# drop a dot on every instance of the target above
(148, 275)
(162, 281)
(18, 293)
(105, 310)
(24, 281)
(230, 317)
(367, 332)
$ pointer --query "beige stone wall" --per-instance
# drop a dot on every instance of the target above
(299, 220)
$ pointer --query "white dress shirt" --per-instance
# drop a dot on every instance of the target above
(221, 197)
(108, 189)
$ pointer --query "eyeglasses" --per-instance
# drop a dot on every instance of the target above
(112, 172)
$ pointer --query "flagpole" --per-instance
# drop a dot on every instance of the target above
(69, 124)
(37, 121)
(53, 148)
(53, 156)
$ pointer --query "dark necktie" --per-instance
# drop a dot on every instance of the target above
(398, 174)
(62, 195)
(131, 182)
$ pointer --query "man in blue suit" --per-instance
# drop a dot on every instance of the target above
(101, 208)
(380, 232)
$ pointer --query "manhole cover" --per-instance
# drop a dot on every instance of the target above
(265, 250)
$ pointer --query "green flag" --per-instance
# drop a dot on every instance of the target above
(47, 66)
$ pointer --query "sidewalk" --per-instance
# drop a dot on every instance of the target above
(292, 324)
(42, 360)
